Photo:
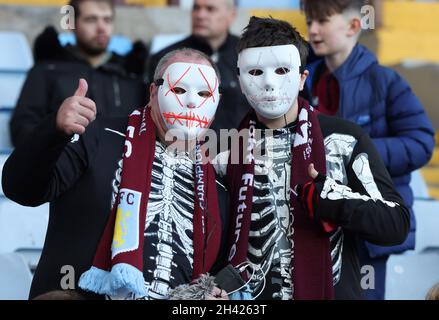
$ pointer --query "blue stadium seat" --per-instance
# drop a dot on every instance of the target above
(162, 41)
(410, 276)
(5, 141)
(22, 227)
(11, 83)
(15, 277)
(31, 256)
(15, 53)
(15, 60)
(3, 158)
(427, 225)
(419, 186)
(118, 44)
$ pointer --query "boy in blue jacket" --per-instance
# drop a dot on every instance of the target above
(350, 83)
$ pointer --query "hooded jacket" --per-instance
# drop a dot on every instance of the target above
(383, 104)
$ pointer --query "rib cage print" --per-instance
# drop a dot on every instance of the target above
(169, 223)
(168, 247)
(270, 247)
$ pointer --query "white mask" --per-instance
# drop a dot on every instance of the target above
(188, 98)
(270, 78)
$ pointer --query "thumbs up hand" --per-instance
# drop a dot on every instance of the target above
(76, 112)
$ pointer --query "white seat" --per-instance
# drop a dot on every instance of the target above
(15, 61)
(31, 256)
(427, 225)
(419, 186)
(15, 277)
(3, 158)
(410, 276)
(22, 227)
(162, 41)
(5, 140)
(15, 53)
(10, 87)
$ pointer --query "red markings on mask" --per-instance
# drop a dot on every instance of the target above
(172, 86)
(188, 119)
(210, 88)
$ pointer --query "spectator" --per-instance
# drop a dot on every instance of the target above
(350, 83)
(78, 177)
(298, 212)
(211, 21)
(115, 89)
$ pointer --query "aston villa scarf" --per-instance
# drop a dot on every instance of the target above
(118, 262)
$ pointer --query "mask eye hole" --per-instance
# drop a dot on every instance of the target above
(178, 90)
(205, 94)
(256, 72)
(282, 70)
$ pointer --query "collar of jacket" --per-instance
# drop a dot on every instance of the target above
(112, 63)
(358, 61)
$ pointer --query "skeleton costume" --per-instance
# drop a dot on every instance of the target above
(303, 246)
(78, 177)
(168, 249)
(162, 230)
(269, 244)
(362, 204)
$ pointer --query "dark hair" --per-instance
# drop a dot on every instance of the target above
(76, 4)
(267, 32)
(320, 9)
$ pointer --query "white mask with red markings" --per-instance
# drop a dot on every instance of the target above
(270, 78)
(188, 98)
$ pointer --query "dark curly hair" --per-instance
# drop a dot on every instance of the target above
(267, 32)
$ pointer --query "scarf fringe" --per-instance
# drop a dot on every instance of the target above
(96, 280)
(122, 276)
(125, 276)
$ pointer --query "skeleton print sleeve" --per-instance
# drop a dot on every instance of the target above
(45, 165)
(368, 205)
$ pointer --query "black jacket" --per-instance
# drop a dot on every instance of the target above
(381, 217)
(76, 179)
(371, 209)
(233, 105)
(55, 77)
